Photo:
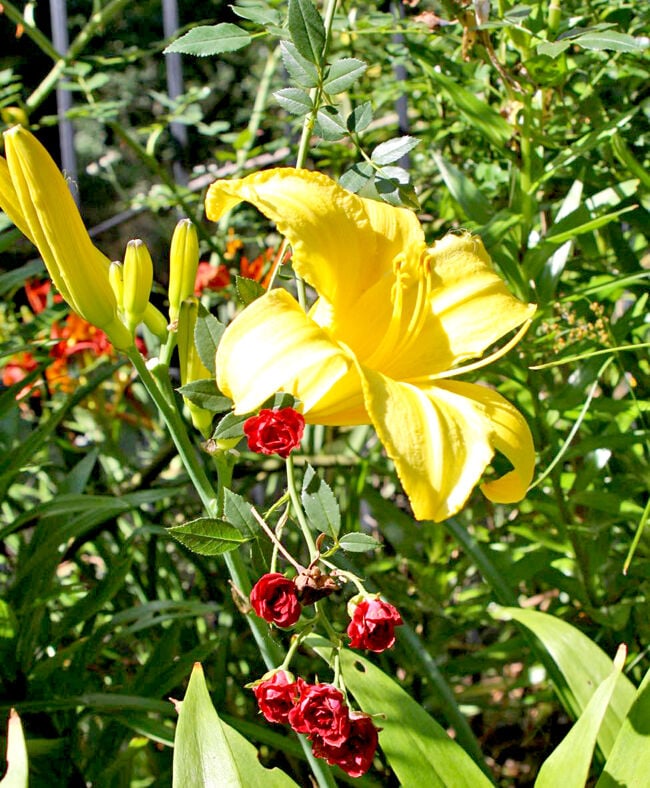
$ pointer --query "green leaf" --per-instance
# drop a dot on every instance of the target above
(330, 124)
(360, 117)
(229, 427)
(306, 29)
(294, 100)
(208, 536)
(17, 769)
(343, 74)
(472, 201)
(207, 752)
(417, 748)
(583, 665)
(205, 394)
(248, 290)
(358, 543)
(321, 507)
(303, 73)
(207, 40)
(393, 150)
(357, 177)
(207, 335)
(237, 511)
(629, 761)
(257, 12)
(485, 120)
(610, 40)
(568, 765)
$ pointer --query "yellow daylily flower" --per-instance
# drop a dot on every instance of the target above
(35, 196)
(394, 322)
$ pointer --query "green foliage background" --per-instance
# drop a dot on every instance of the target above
(532, 133)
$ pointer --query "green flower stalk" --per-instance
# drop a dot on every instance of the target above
(192, 368)
(138, 278)
(35, 196)
(183, 265)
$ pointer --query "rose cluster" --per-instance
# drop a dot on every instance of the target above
(339, 735)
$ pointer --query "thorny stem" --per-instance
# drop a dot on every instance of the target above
(302, 520)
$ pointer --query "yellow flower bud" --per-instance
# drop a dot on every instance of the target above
(191, 366)
(155, 321)
(183, 264)
(116, 278)
(35, 196)
(138, 278)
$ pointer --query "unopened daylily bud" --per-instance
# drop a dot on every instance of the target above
(183, 264)
(138, 278)
(155, 321)
(116, 278)
(192, 368)
(35, 196)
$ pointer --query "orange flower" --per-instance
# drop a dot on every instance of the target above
(36, 291)
(254, 269)
(210, 277)
(17, 368)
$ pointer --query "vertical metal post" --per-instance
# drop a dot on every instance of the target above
(61, 41)
(174, 67)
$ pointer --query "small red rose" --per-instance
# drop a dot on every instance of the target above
(275, 431)
(355, 754)
(275, 599)
(373, 624)
(277, 695)
(321, 712)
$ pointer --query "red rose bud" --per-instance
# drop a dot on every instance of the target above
(275, 431)
(355, 754)
(276, 695)
(275, 599)
(321, 712)
(373, 624)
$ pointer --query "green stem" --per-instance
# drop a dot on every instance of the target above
(297, 506)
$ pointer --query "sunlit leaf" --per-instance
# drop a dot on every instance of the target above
(208, 40)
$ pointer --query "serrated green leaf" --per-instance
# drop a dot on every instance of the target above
(330, 124)
(208, 752)
(205, 394)
(358, 543)
(356, 177)
(237, 511)
(294, 100)
(208, 536)
(248, 290)
(301, 70)
(321, 507)
(306, 29)
(208, 40)
(360, 117)
(553, 48)
(258, 13)
(417, 748)
(393, 150)
(207, 335)
(342, 74)
(229, 427)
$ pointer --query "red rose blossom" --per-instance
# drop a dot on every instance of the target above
(276, 695)
(355, 754)
(321, 712)
(275, 599)
(275, 431)
(373, 625)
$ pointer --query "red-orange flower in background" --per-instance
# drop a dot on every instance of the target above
(37, 291)
(17, 369)
(211, 277)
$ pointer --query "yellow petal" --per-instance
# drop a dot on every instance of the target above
(9, 200)
(442, 439)
(78, 269)
(342, 244)
(274, 346)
